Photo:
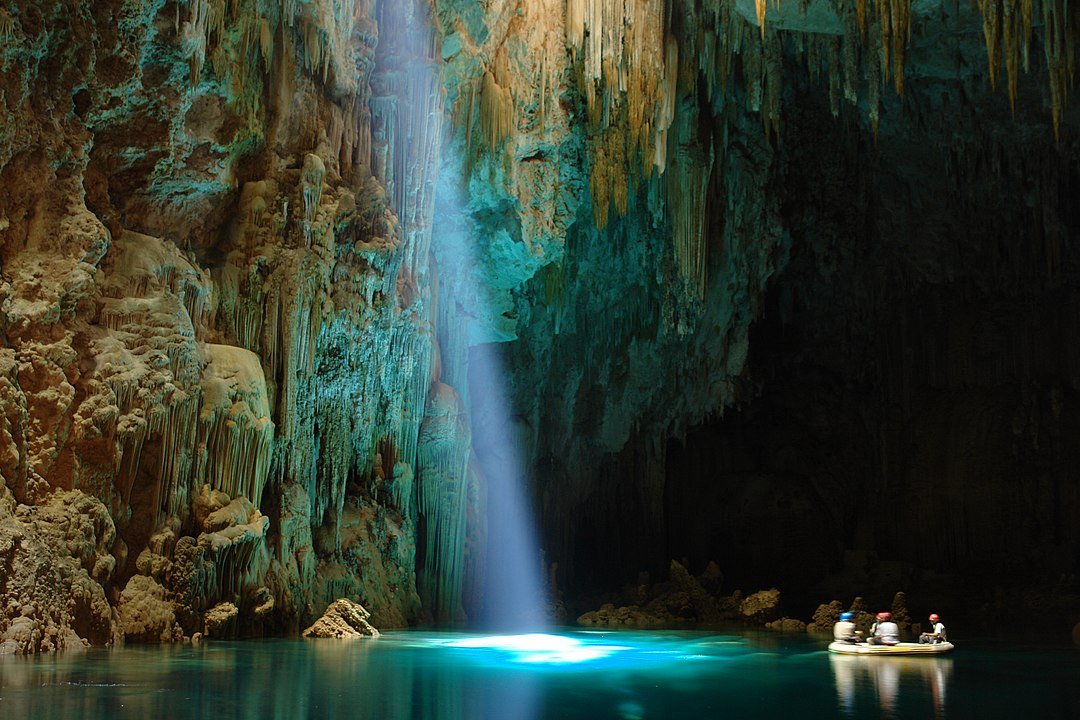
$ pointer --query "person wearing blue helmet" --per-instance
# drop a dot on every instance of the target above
(844, 631)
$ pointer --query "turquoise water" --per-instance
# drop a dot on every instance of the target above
(594, 675)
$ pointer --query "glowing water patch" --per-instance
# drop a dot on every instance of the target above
(540, 648)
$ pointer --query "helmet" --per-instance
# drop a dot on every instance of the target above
(884, 615)
(846, 615)
(934, 617)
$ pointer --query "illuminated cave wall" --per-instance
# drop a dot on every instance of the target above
(217, 316)
(870, 305)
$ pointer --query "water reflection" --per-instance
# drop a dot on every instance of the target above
(438, 676)
(918, 683)
(282, 680)
(571, 676)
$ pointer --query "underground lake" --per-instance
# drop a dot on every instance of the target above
(622, 675)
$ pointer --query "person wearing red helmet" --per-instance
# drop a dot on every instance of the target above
(937, 631)
(884, 631)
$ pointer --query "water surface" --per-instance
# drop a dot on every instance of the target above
(594, 675)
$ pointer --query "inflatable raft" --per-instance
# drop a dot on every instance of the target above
(904, 648)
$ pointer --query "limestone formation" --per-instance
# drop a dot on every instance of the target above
(145, 613)
(786, 624)
(249, 251)
(825, 617)
(220, 621)
(56, 558)
(343, 619)
(760, 607)
(682, 599)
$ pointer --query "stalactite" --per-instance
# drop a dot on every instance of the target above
(834, 75)
(235, 427)
(7, 26)
(687, 205)
(900, 25)
(752, 75)
(874, 82)
(773, 71)
(311, 181)
(496, 113)
(851, 67)
(1012, 37)
(991, 15)
(1061, 25)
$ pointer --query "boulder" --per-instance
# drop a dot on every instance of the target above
(825, 617)
(145, 615)
(343, 619)
(220, 621)
(760, 607)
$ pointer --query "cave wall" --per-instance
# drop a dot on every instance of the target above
(908, 420)
(217, 316)
(915, 408)
(882, 265)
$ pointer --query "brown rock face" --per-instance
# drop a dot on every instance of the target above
(761, 606)
(56, 559)
(145, 613)
(220, 621)
(343, 619)
(215, 312)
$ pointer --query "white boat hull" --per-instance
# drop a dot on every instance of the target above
(900, 649)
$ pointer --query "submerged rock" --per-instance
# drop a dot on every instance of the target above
(343, 619)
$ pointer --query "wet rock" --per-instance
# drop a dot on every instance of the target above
(55, 558)
(220, 621)
(760, 607)
(900, 614)
(628, 616)
(787, 625)
(145, 614)
(825, 617)
(343, 619)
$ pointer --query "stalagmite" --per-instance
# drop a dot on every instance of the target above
(442, 491)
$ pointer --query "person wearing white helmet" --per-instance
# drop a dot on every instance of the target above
(886, 632)
(936, 633)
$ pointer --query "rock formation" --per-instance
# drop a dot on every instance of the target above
(343, 619)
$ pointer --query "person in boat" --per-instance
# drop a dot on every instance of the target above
(885, 631)
(844, 631)
(937, 631)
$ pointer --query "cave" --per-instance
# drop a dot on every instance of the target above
(599, 335)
